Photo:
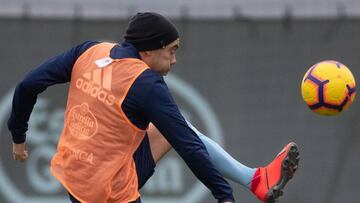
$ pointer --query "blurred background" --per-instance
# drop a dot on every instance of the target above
(237, 80)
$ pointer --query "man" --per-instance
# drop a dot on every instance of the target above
(115, 92)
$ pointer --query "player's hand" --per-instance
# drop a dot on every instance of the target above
(19, 152)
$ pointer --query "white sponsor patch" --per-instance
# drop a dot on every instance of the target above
(101, 63)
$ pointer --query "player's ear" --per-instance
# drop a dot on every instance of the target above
(145, 54)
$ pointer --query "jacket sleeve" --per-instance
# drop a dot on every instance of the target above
(55, 70)
(162, 111)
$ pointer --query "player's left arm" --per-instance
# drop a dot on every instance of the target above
(160, 109)
(54, 71)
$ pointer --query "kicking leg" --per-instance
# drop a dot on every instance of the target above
(265, 182)
(158, 144)
(226, 164)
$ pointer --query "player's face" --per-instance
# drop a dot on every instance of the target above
(162, 59)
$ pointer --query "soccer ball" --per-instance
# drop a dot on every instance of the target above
(328, 88)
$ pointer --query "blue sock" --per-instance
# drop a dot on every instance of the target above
(225, 163)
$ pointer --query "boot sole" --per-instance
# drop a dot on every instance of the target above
(289, 166)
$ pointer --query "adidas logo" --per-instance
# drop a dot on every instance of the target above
(97, 84)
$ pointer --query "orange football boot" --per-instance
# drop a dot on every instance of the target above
(268, 182)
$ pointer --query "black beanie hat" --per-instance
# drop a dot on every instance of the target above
(149, 31)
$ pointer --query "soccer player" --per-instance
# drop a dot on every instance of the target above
(115, 92)
(106, 150)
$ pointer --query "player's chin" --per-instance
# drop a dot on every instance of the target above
(165, 72)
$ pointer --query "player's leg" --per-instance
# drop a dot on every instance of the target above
(225, 163)
(265, 182)
(158, 144)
